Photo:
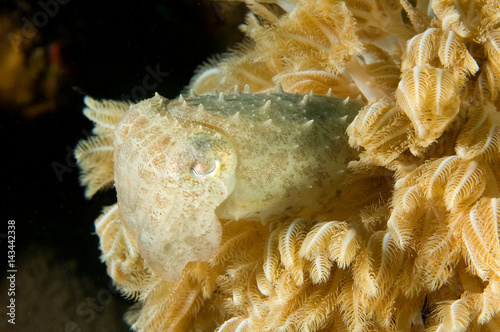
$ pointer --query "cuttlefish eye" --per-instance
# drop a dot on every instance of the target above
(204, 168)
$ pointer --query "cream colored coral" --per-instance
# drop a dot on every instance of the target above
(414, 243)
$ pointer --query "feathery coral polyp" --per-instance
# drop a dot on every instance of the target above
(407, 236)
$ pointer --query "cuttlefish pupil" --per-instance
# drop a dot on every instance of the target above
(247, 157)
(202, 169)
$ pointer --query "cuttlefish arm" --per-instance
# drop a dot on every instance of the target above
(170, 177)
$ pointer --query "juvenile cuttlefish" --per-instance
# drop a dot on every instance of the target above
(181, 165)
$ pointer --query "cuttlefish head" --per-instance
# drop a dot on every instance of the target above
(170, 176)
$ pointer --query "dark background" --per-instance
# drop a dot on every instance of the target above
(103, 48)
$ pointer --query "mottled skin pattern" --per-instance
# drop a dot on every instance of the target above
(182, 165)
